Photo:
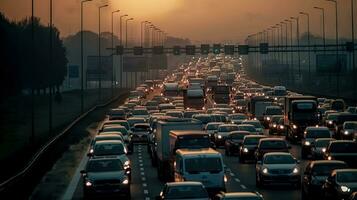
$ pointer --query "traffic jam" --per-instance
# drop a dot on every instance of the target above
(212, 133)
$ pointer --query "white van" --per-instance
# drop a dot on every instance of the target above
(201, 165)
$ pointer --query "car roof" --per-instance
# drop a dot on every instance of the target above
(185, 183)
(103, 142)
(278, 154)
(240, 194)
(321, 162)
(255, 136)
(239, 132)
(272, 139)
(205, 151)
(187, 132)
(314, 128)
(345, 170)
(142, 124)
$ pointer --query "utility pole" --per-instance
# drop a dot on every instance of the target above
(99, 55)
(112, 85)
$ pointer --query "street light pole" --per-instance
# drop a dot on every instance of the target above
(286, 41)
(82, 59)
(308, 40)
(126, 39)
(50, 70)
(99, 53)
(32, 137)
(338, 65)
(291, 53)
(298, 41)
(112, 88)
(121, 56)
(323, 25)
(353, 35)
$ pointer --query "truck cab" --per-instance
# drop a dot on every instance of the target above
(202, 165)
(300, 112)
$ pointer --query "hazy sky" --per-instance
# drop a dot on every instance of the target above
(199, 20)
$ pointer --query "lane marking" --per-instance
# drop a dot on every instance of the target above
(71, 188)
(143, 178)
(142, 173)
(147, 198)
(140, 157)
(141, 164)
(232, 174)
(145, 185)
(243, 186)
(140, 160)
(146, 191)
(236, 179)
(141, 169)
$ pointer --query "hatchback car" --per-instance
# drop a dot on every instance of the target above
(278, 167)
(141, 132)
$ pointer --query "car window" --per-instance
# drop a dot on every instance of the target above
(271, 144)
(185, 192)
(279, 159)
(109, 149)
(347, 177)
(326, 169)
(195, 165)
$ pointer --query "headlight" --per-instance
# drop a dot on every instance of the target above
(265, 170)
(330, 122)
(294, 126)
(268, 118)
(245, 150)
(345, 188)
(295, 170)
(274, 125)
(225, 179)
(125, 181)
(307, 143)
(346, 132)
(219, 136)
(323, 150)
(329, 158)
(281, 127)
(88, 184)
(91, 151)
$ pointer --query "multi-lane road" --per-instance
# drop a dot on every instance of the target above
(146, 185)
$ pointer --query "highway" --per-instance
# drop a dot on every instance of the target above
(146, 185)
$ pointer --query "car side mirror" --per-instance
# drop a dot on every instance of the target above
(213, 145)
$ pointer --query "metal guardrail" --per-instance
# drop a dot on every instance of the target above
(14, 185)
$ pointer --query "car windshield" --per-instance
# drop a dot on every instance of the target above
(247, 128)
(196, 165)
(251, 140)
(193, 143)
(273, 111)
(276, 119)
(119, 129)
(343, 147)
(203, 119)
(142, 127)
(273, 144)
(318, 134)
(279, 159)
(105, 165)
(213, 126)
(351, 125)
(322, 143)
(134, 121)
(152, 103)
(186, 192)
(239, 117)
(332, 117)
(109, 149)
(326, 169)
(140, 112)
(238, 136)
(255, 124)
(347, 177)
(227, 128)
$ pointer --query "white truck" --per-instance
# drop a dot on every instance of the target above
(162, 140)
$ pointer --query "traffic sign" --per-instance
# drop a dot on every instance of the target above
(205, 49)
(229, 49)
(243, 49)
(216, 48)
(190, 49)
(138, 51)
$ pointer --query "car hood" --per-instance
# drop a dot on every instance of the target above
(250, 146)
(94, 176)
(280, 166)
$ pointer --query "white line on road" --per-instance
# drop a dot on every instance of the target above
(140, 157)
(143, 178)
(243, 186)
(141, 164)
(140, 160)
(232, 174)
(141, 169)
(146, 191)
(142, 173)
(237, 180)
(145, 185)
(147, 198)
